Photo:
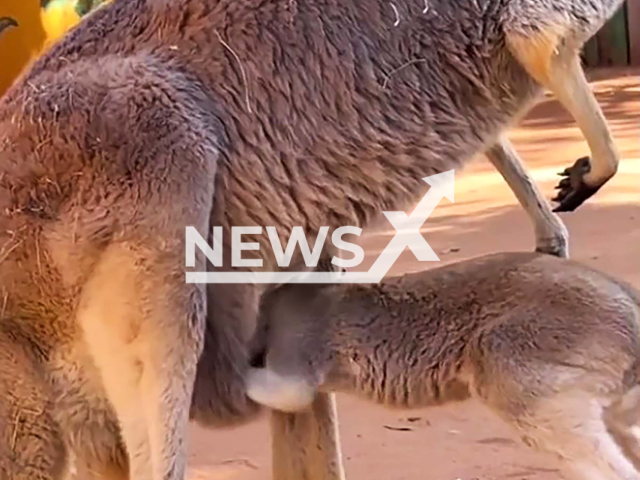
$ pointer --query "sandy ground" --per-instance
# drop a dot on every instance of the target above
(465, 441)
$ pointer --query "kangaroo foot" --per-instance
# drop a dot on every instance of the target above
(557, 246)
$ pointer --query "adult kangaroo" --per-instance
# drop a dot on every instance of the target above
(155, 115)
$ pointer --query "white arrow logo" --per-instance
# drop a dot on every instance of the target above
(408, 227)
(407, 236)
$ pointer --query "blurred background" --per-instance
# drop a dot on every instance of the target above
(40, 24)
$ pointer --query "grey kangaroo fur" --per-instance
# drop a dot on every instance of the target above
(154, 115)
(549, 345)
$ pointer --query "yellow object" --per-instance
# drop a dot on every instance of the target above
(57, 19)
(37, 29)
(18, 45)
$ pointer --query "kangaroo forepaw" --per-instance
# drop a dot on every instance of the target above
(572, 190)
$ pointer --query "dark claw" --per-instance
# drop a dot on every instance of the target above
(560, 196)
(572, 191)
(564, 183)
(6, 22)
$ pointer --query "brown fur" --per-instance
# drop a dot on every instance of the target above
(151, 116)
(549, 345)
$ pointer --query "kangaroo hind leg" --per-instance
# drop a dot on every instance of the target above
(144, 327)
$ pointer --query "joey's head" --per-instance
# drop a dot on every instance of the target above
(291, 349)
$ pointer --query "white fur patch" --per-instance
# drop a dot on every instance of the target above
(288, 394)
(635, 431)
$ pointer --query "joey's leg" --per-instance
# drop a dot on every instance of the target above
(623, 421)
(571, 425)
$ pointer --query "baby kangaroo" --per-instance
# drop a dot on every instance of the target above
(549, 345)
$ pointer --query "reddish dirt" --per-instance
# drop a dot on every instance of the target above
(465, 441)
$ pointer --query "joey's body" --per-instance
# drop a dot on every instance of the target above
(538, 339)
(151, 116)
(402, 341)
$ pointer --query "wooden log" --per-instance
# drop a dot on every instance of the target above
(590, 54)
(612, 40)
(633, 27)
